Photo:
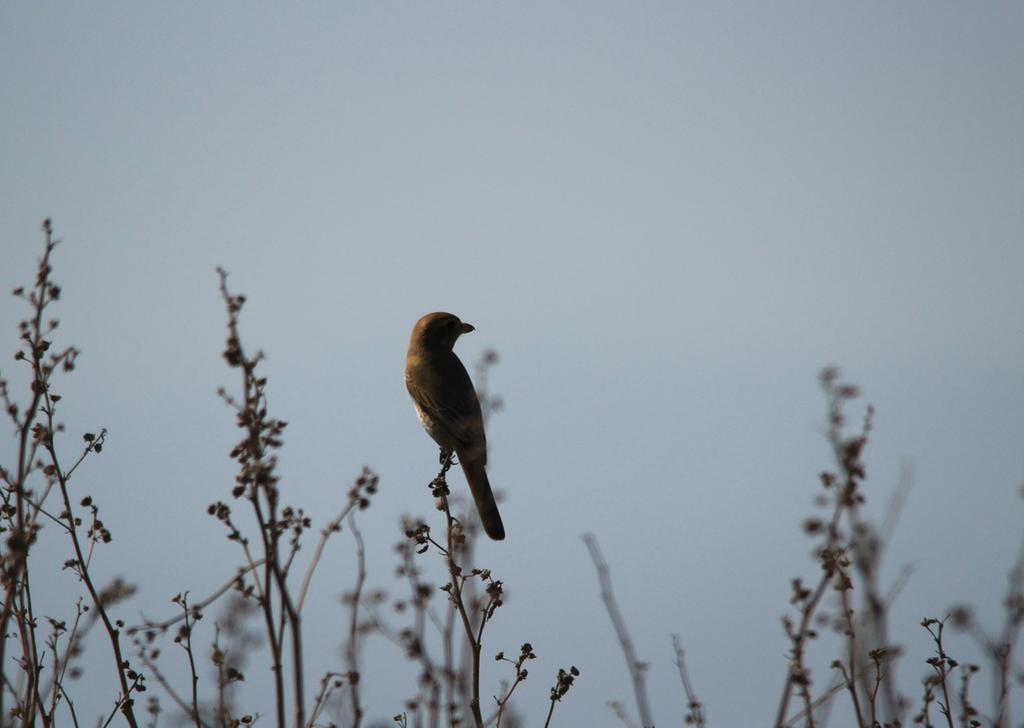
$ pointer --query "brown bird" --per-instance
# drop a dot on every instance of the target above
(448, 407)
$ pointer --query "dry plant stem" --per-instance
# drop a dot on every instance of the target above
(551, 711)
(164, 683)
(1000, 651)
(882, 678)
(525, 653)
(290, 614)
(18, 544)
(502, 702)
(194, 711)
(257, 474)
(636, 668)
(268, 614)
(941, 665)
(71, 709)
(837, 686)
(31, 663)
(873, 694)
(847, 453)
(352, 648)
(327, 685)
(456, 548)
(798, 639)
(450, 675)
(375, 623)
(219, 659)
(967, 711)
(60, 662)
(851, 671)
(412, 640)
(331, 528)
(877, 615)
(415, 643)
(432, 691)
(619, 712)
(126, 703)
(867, 547)
(868, 562)
(33, 667)
(234, 581)
(10, 688)
(457, 582)
(222, 682)
(695, 710)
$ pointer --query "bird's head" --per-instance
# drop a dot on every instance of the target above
(439, 330)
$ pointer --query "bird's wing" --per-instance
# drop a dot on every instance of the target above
(460, 418)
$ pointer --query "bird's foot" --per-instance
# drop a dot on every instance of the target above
(447, 460)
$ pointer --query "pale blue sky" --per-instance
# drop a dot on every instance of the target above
(666, 217)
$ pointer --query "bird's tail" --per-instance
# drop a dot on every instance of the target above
(480, 487)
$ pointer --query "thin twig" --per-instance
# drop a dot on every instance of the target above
(223, 589)
(636, 667)
(125, 702)
(454, 535)
(169, 688)
(331, 528)
(352, 648)
(695, 710)
(185, 639)
(328, 683)
(525, 653)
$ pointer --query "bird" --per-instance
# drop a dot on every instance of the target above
(448, 407)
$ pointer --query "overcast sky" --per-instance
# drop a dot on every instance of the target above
(665, 217)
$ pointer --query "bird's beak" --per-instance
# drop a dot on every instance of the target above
(465, 328)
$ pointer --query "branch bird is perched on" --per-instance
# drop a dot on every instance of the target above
(448, 406)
